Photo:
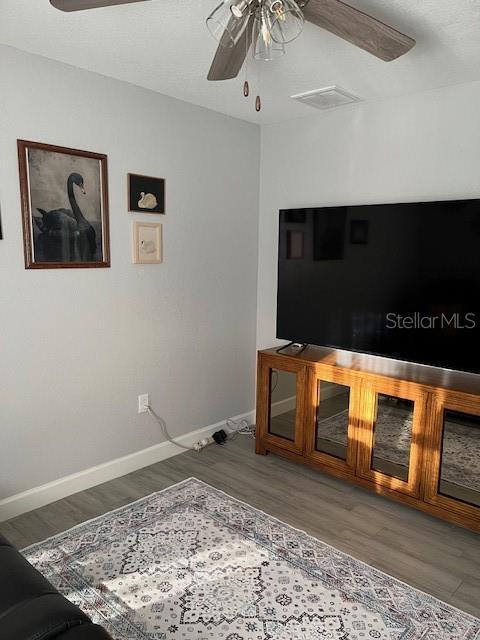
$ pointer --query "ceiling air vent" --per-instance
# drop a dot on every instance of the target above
(327, 98)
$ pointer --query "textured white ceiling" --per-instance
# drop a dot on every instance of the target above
(164, 45)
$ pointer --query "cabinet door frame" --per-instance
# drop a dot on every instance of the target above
(447, 401)
(366, 434)
(263, 436)
(327, 374)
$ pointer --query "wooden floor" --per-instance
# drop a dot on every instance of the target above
(429, 554)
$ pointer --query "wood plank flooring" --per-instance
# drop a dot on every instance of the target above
(429, 554)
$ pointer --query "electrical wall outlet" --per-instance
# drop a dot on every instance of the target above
(143, 403)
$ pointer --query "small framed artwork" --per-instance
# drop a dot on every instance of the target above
(294, 245)
(359, 232)
(64, 196)
(146, 194)
(147, 243)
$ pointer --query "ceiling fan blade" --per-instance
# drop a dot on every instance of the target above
(358, 28)
(228, 61)
(80, 5)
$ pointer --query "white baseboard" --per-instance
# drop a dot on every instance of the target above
(330, 390)
(283, 406)
(45, 494)
(289, 404)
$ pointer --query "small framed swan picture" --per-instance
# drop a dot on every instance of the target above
(65, 207)
(146, 194)
(147, 243)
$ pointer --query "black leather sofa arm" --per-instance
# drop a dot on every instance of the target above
(32, 609)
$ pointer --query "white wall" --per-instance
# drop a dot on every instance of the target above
(78, 346)
(418, 147)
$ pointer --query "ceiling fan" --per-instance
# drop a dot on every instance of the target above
(270, 24)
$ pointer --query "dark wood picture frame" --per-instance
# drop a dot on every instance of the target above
(150, 185)
(23, 147)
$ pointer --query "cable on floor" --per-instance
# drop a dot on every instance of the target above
(239, 428)
(234, 428)
(163, 427)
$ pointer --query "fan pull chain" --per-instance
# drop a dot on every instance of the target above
(258, 100)
(246, 86)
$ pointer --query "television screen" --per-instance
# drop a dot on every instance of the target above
(399, 280)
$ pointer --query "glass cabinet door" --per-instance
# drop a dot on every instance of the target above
(390, 439)
(331, 438)
(453, 465)
(280, 405)
(459, 476)
(392, 436)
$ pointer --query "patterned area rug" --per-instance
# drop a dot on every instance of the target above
(191, 562)
(461, 447)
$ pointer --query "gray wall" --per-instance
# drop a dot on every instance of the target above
(78, 346)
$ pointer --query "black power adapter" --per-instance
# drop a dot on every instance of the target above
(220, 437)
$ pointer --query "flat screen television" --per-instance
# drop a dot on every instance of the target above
(395, 280)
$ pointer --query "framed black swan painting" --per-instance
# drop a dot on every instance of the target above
(65, 207)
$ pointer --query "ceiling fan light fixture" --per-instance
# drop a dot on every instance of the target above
(224, 26)
(240, 8)
(264, 46)
(286, 21)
